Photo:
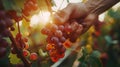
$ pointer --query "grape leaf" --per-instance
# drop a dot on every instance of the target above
(14, 59)
(8, 5)
(16, 5)
(94, 62)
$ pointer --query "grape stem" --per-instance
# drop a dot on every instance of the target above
(18, 51)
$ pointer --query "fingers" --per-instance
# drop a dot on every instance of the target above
(83, 26)
(62, 16)
(88, 22)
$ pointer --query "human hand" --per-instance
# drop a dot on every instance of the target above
(76, 11)
(72, 11)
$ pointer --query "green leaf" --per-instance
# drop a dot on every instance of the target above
(8, 40)
(8, 4)
(14, 59)
(95, 62)
(96, 53)
(16, 5)
(82, 59)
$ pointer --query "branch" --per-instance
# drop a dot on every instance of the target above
(18, 51)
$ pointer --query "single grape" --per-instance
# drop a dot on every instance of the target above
(18, 36)
(62, 39)
(46, 31)
(26, 53)
(61, 27)
(50, 46)
(25, 12)
(54, 39)
(34, 1)
(59, 45)
(74, 26)
(33, 56)
(58, 33)
(68, 27)
(61, 55)
(67, 44)
(48, 39)
(25, 39)
(53, 53)
(62, 50)
(8, 22)
(54, 59)
(53, 27)
(26, 45)
(35, 7)
(12, 28)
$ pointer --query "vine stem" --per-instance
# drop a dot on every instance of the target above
(18, 51)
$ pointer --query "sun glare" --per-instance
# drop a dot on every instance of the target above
(40, 18)
(44, 17)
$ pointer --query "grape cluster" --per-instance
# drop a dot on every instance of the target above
(5, 23)
(29, 5)
(13, 14)
(60, 37)
(22, 43)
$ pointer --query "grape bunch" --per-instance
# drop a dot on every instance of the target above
(22, 44)
(60, 37)
(5, 23)
(29, 6)
(13, 14)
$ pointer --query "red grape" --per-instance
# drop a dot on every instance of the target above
(50, 46)
(54, 59)
(33, 56)
(62, 39)
(61, 27)
(58, 33)
(54, 39)
(68, 27)
(67, 44)
(25, 53)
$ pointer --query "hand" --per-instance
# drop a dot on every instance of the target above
(72, 11)
(76, 11)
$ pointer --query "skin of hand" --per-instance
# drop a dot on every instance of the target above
(76, 11)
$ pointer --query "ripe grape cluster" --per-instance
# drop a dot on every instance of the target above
(13, 14)
(29, 6)
(60, 37)
(5, 23)
(22, 44)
